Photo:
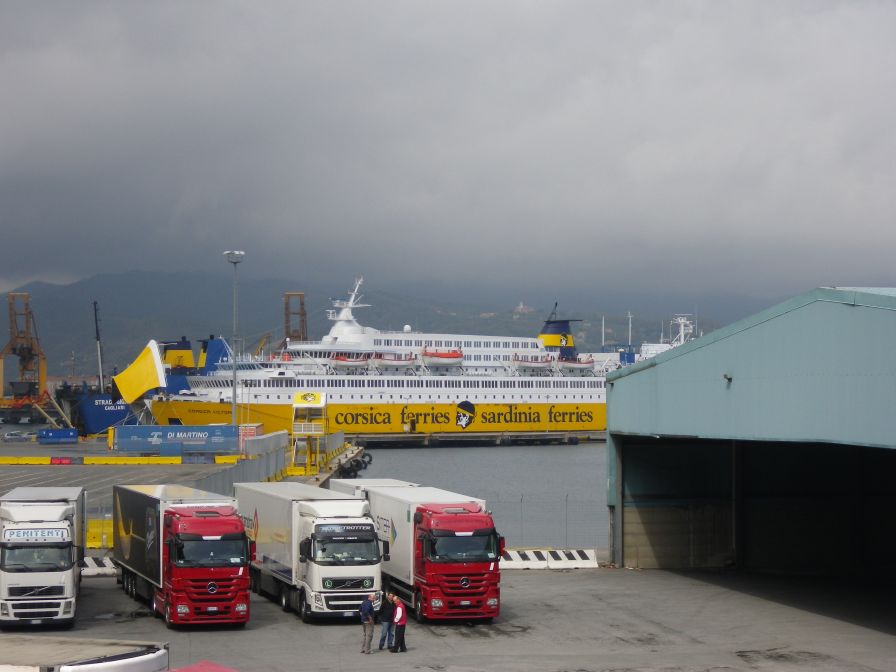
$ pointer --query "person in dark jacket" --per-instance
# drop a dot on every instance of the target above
(387, 613)
(367, 616)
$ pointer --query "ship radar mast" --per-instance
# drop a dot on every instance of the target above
(342, 308)
(685, 329)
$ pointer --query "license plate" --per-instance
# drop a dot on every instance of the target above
(348, 614)
(212, 609)
(465, 603)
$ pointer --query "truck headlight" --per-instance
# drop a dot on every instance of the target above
(183, 609)
(4, 609)
(491, 602)
(67, 607)
(318, 600)
(436, 603)
(241, 608)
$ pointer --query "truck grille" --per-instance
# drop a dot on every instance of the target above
(343, 602)
(212, 590)
(36, 609)
(456, 585)
(36, 591)
(349, 583)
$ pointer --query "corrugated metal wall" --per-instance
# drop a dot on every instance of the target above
(767, 445)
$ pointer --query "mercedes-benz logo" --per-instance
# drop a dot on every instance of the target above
(212, 587)
(465, 582)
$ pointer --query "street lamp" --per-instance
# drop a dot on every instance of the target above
(234, 257)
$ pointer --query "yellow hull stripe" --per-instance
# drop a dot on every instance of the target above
(402, 418)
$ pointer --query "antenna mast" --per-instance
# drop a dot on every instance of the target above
(99, 345)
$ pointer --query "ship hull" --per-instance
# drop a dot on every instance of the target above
(400, 419)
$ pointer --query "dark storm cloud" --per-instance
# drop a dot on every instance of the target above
(741, 146)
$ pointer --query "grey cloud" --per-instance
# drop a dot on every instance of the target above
(744, 147)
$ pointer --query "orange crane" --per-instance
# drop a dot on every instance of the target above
(23, 343)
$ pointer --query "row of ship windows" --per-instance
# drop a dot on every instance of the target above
(419, 343)
(437, 397)
(547, 384)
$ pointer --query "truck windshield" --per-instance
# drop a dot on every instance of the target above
(346, 552)
(473, 548)
(191, 550)
(43, 558)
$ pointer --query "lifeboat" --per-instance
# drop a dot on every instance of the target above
(433, 357)
(349, 361)
(394, 359)
(577, 364)
(536, 363)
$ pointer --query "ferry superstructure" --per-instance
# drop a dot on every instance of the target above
(373, 382)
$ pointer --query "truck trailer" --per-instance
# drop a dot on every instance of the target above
(445, 549)
(184, 551)
(316, 550)
(42, 536)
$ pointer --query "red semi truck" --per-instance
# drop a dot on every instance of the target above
(184, 551)
(444, 550)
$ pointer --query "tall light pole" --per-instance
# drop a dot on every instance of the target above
(234, 257)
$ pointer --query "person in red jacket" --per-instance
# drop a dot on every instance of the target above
(400, 619)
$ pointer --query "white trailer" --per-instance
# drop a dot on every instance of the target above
(42, 537)
(316, 551)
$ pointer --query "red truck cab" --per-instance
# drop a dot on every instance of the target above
(456, 556)
(205, 556)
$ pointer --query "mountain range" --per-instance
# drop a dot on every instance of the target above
(137, 306)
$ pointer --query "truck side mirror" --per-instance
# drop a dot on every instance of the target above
(251, 551)
(385, 550)
(500, 546)
(304, 549)
(418, 517)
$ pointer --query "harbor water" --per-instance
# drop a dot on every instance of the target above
(541, 496)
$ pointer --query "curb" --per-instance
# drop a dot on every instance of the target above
(98, 567)
(547, 558)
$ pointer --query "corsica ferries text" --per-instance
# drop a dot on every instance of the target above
(465, 414)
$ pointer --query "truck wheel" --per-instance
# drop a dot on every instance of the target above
(418, 608)
(168, 623)
(284, 598)
(304, 612)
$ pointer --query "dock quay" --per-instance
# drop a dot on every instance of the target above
(476, 438)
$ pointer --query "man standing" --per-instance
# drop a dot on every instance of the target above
(387, 613)
(400, 619)
(367, 614)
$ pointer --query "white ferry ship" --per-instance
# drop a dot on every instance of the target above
(368, 382)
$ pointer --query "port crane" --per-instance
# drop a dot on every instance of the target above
(24, 345)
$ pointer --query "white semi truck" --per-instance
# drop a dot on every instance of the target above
(46, 653)
(316, 551)
(42, 537)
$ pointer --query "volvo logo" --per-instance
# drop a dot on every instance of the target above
(212, 587)
(465, 582)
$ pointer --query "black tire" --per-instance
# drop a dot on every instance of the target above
(285, 599)
(418, 608)
(367, 457)
(304, 612)
(168, 623)
(357, 464)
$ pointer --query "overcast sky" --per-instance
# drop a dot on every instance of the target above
(743, 147)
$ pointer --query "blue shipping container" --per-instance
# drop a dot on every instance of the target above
(177, 439)
(57, 436)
